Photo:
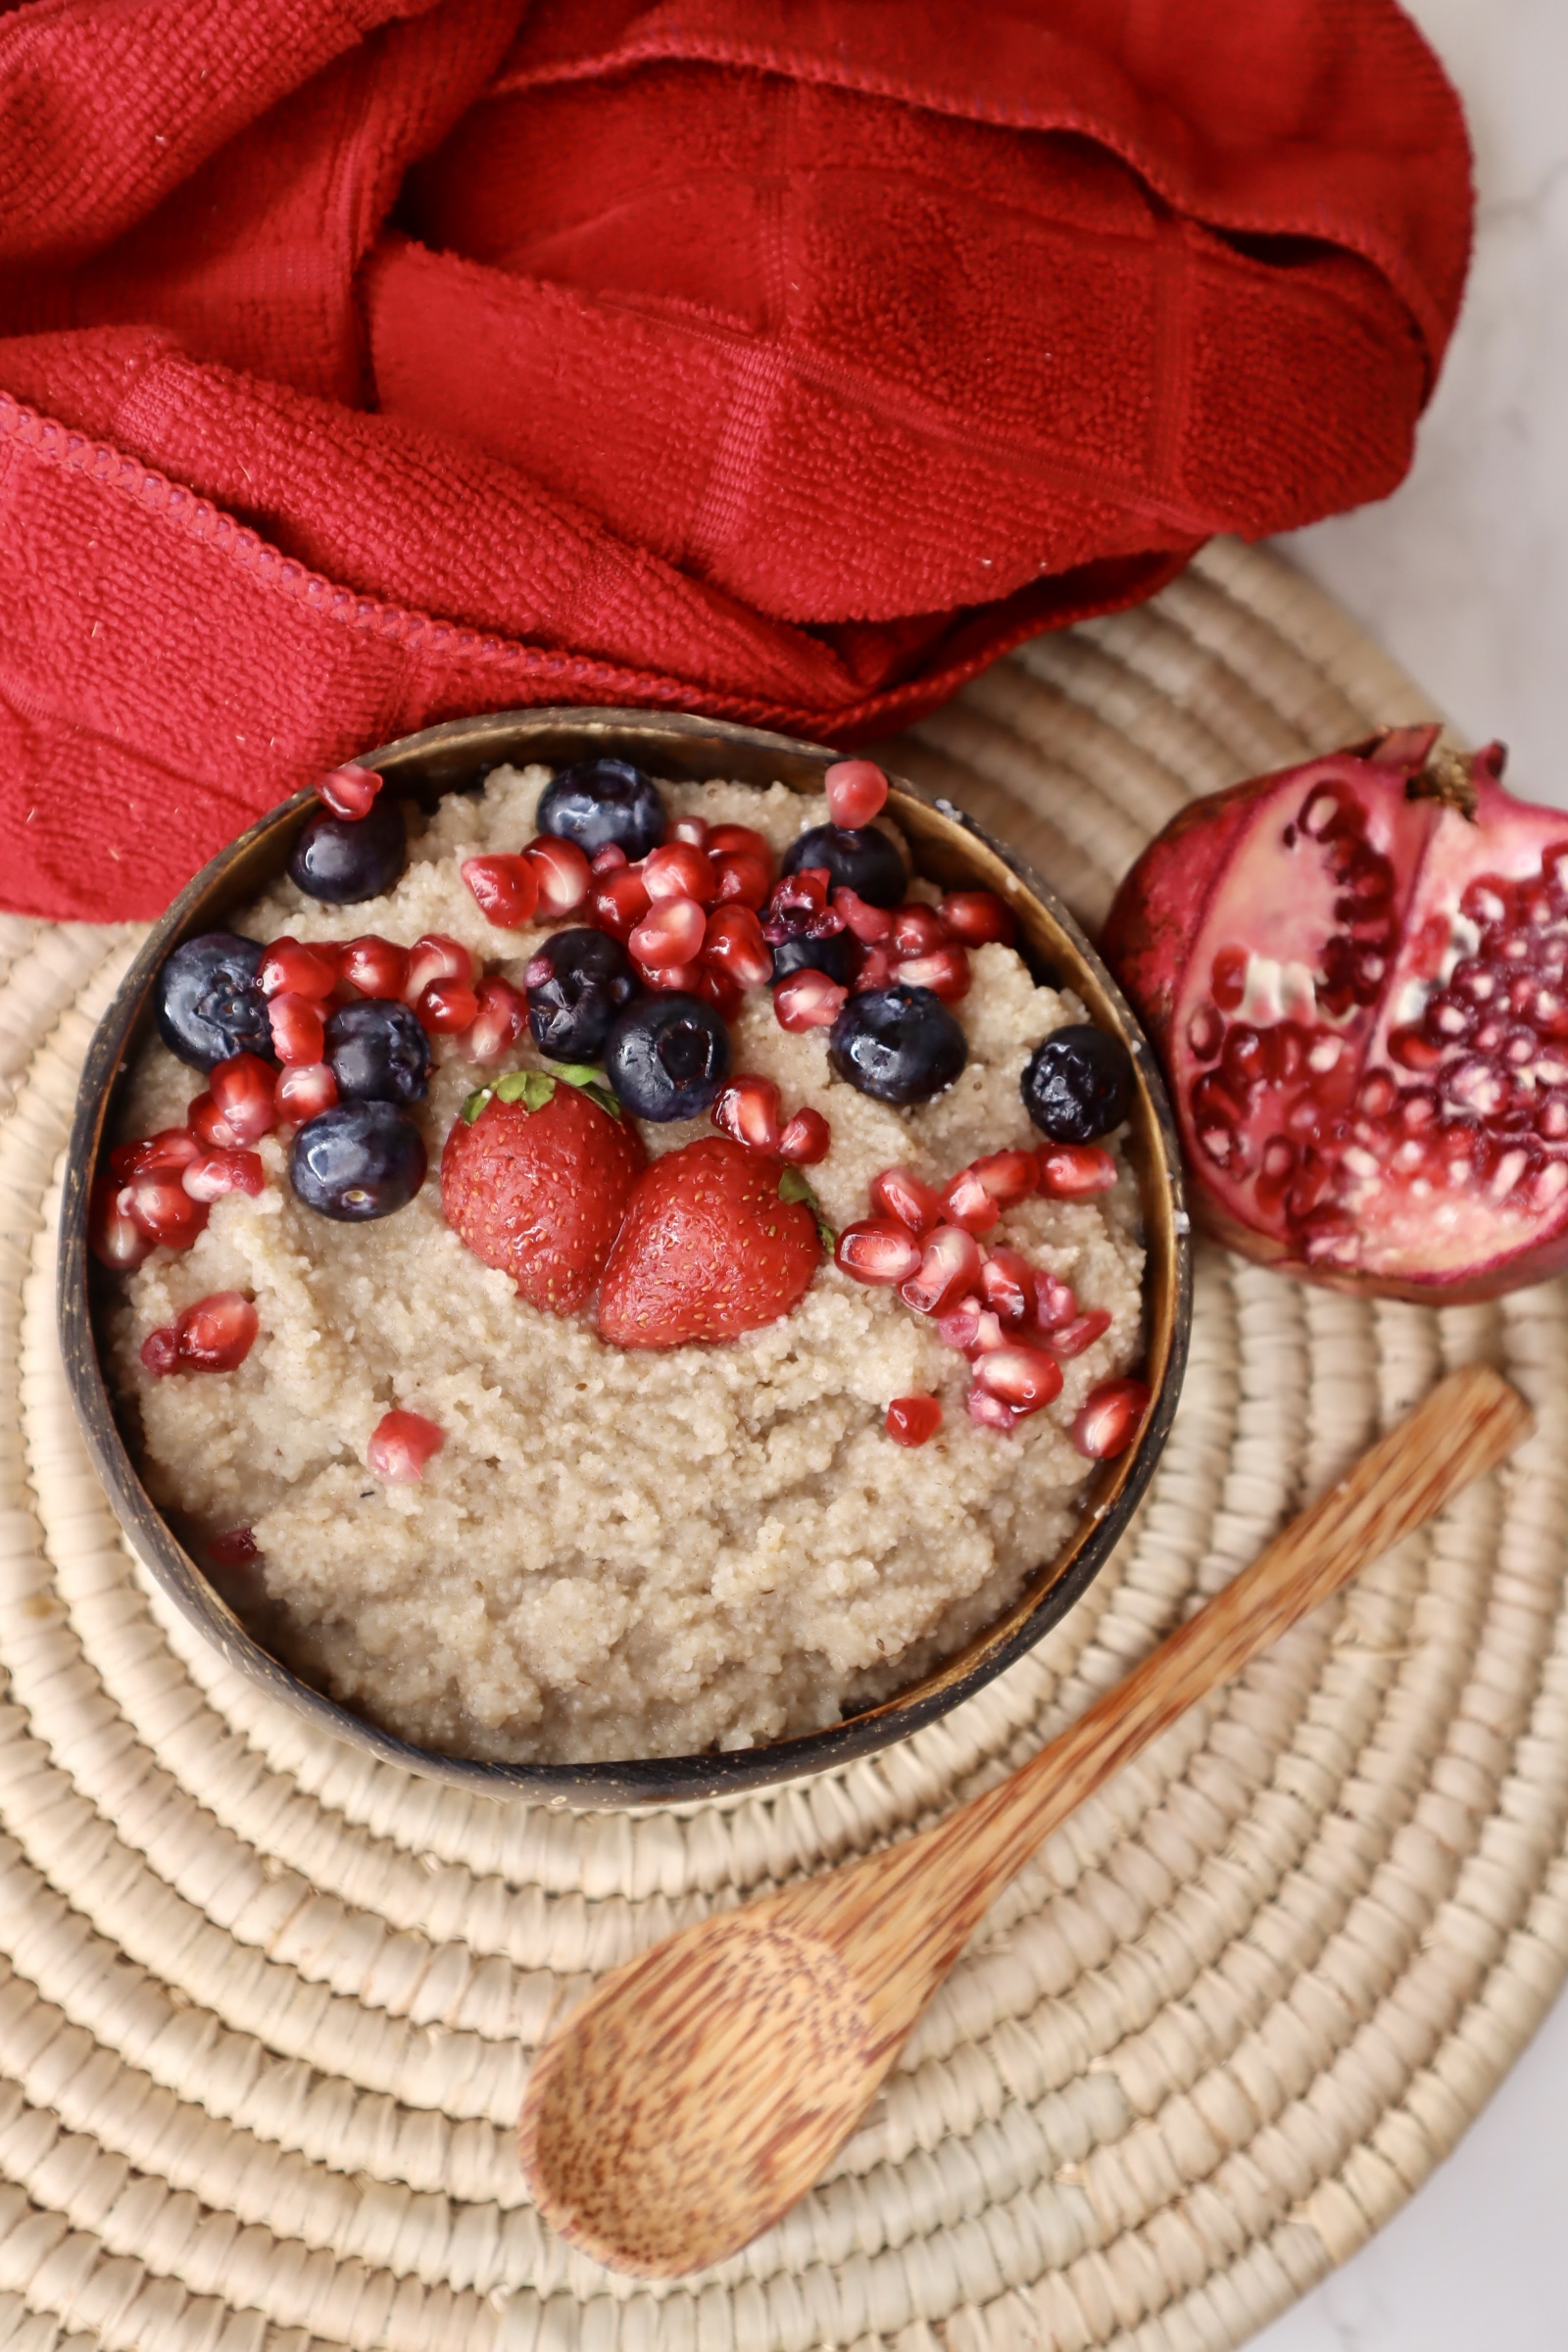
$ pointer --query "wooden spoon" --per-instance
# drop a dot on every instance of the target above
(702, 2089)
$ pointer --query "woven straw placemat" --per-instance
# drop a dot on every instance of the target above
(267, 2006)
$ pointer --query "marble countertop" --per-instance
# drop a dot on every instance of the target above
(1464, 576)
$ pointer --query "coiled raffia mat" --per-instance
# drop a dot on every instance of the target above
(269, 2006)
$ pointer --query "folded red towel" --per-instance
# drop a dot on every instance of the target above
(779, 358)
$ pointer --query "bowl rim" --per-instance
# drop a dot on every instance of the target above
(434, 761)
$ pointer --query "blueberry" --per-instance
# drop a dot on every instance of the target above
(341, 860)
(603, 804)
(209, 1006)
(668, 1056)
(860, 858)
(835, 955)
(1079, 1084)
(577, 983)
(358, 1160)
(378, 1053)
(898, 1045)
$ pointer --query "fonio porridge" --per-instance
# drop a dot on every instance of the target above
(617, 1552)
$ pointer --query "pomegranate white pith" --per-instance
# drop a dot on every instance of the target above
(1361, 998)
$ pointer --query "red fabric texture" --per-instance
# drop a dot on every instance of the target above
(367, 363)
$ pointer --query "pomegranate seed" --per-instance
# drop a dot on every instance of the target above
(990, 1331)
(506, 889)
(944, 972)
(350, 791)
(609, 859)
(113, 1236)
(856, 791)
(876, 1251)
(1206, 1032)
(1003, 1177)
(435, 956)
(806, 1139)
(1071, 1339)
(740, 879)
(619, 903)
(733, 940)
(163, 1209)
(401, 1444)
(989, 1411)
(1075, 1171)
(373, 966)
(897, 1194)
(977, 916)
(235, 1548)
(684, 979)
(912, 1420)
(1107, 1418)
(241, 1091)
(960, 1327)
(671, 932)
(1023, 1378)
(807, 999)
(501, 1020)
(1228, 979)
(679, 869)
(299, 1032)
(690, 828)
(214, 1173)
(304, 1090)
(218, 1332)
(747, 1110)
(717, 988)
(917, 930)
(1008, 1287)
(950, 1265)
(290, 969)
(160, 1154)
(448, 1006)
(1055, 1302)
(1414, 1052)
(160, 1350)
(876, 970)
(739, 841)
(967, 1202)
(868, 924)
(210, 1129)
(562, 872)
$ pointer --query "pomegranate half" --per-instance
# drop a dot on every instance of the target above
(1355, 972)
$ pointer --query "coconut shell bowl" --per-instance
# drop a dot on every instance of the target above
(948, 848)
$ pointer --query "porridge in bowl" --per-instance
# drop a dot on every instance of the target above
(653, 1277)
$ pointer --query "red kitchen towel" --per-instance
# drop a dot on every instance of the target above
(367, 363)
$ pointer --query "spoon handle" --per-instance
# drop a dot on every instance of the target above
(927, 1896)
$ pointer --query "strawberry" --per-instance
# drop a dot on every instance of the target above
(718, 1241)
(534, 1179)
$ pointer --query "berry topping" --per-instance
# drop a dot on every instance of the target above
(1075, 1171)
(747, 1110)
(433, 957)
(298, 1028)
(838, 955)
(808, 1000)
(916, 930)
(741, 878)
(171, 1148)
(856, 791)
(378, 1053)
(290, 969)
(448, 1007)
(350, 792)
(871, 924)
(671, 932)
(944, 970)
(897, 1194)
(1079, 1084)
(949, 1266)
(1108, 1420)
(537, 1181)
(739, 841)
(358, 1160)
(1069, 1339)
(209, 1004)
(806, 1138)
(373, 966)
(244, 1105)
(668, 1056)
(604, 802)
(113, 1236)
(401, 1444)
(564, 877)
(678, 870)
(718, 1241)
(212, 1174)
(733, 944)
(304, 1090)
(975, 916)
(501, 1018)
(912, 1419)
(1007, 1288)
(506, 889)
(577, 983)
(1024, 1379)
(215, 1335)
(619, 900)
(861, 859)
(164, 1210)
(342, 859)
(877, 1251)
(898, 1045)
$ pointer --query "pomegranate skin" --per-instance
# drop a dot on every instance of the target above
(1359, 994)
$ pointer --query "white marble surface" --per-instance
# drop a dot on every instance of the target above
(1464, 575)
